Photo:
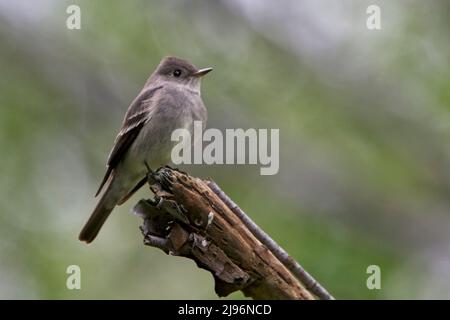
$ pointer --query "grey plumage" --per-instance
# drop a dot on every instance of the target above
(169, 100)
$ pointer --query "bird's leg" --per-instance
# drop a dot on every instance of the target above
(151, 175)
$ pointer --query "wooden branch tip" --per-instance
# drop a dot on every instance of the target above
(194, 218)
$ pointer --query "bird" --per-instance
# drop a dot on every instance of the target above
(170, 100)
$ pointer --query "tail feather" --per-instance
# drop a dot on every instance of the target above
(101, 212)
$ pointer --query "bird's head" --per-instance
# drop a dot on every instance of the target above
(172, 69)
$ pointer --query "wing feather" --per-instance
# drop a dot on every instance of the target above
(137, 115)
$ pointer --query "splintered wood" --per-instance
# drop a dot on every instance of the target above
(186, 218)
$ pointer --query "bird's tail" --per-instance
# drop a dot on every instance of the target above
(101, 212)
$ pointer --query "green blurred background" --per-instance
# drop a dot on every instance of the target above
(364, 119)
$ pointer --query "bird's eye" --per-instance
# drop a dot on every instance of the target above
(177, 73)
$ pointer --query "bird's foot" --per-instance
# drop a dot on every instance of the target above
(151, 175)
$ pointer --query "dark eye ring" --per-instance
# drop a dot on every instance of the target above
(177, 73)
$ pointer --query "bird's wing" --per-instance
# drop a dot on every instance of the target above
(139, 112)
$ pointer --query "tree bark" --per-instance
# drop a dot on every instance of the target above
(186, 218)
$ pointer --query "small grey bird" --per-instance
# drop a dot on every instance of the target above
(169, 100)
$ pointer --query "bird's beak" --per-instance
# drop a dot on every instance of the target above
(202, 72)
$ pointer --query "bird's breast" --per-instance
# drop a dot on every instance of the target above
(176, 109)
